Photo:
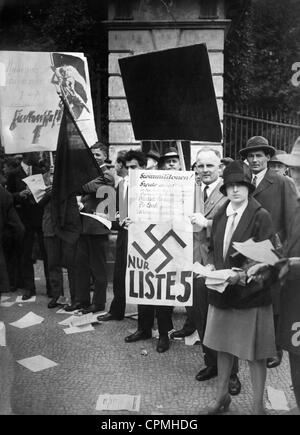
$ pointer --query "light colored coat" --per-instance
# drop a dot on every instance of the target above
(202, 238)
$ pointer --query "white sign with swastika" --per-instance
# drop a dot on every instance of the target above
(160, 241)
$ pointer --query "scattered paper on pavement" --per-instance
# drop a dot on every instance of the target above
(6, 304)
(257, 251)
(62, 311)
(277, 400)
(98, 218)
(37, 363)
(66, 322)
(4, 298)
(2, 334)
(85, 319)
(19, 299)
(118, 402)
(192, 339)
(76, 329)
(29, 319)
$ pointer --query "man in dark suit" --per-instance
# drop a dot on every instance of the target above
(90, 257)
(31, 214)
(277, 194)
(9, 221)
(118, 304)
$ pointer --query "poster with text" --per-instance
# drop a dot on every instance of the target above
(160, 239)
(30, 107)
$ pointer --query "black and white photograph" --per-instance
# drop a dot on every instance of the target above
(149, 210)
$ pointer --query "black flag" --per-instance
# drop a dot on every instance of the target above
(75, 166)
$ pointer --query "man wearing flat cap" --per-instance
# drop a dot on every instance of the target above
(277, 194)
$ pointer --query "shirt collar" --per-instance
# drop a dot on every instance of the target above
(25, 167)
(211, 186)
(259, 176)
(239, 211)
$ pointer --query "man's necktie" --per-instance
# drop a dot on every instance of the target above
(205, 196)
(231, 220)
(254, 181)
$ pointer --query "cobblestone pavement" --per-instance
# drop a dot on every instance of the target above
(100, 362)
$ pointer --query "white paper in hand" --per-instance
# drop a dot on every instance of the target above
(36, 185)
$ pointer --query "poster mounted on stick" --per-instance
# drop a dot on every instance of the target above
(160, 239)
(30, 107)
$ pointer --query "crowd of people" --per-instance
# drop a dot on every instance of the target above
(253, 197)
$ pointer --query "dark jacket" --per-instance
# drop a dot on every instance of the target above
(278, 195)
(91, 202)
(256, 223)
(30, 212)
(289, 316)
(11, 229)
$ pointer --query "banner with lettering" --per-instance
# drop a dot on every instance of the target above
(160, 239)
(30, 108)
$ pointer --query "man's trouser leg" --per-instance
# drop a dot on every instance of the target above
(97, 250)
(53, 251)
(146, 317)
(295, 375)
(164, 319)
(27, 268)
(82, 272)
(118, 304)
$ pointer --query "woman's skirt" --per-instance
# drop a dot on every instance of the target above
(248, 334)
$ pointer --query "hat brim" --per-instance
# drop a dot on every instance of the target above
(151, 156)
(163, 158)
(245, 151)
(250, 186)
(290, 159)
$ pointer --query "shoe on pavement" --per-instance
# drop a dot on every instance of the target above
(28, 294)
(93, 309)
(207, 373)
(275, 361)
(234, 387)
(138, 335)
(53, 303)
(73, 307)
(181, 333)
(163, 344)
(107, 317)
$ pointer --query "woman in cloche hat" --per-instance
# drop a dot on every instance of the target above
(239, 320)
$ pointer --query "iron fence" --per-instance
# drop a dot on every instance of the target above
(240, 124)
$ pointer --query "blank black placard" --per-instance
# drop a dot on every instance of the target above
(171, 96)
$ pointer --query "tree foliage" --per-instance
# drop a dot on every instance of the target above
(259, 54)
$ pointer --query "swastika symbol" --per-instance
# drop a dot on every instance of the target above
(158, 245)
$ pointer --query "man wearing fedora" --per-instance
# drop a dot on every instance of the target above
(277, 194)
(170, 160)
(288, 328)
(277, 164)
(152, 160)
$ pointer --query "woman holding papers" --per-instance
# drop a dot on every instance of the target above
(240, 318)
